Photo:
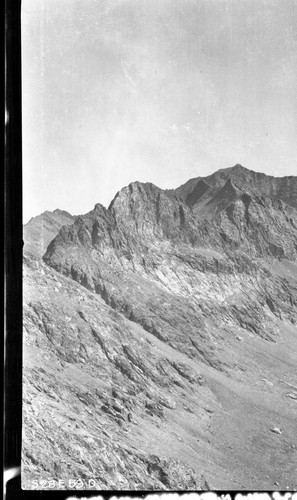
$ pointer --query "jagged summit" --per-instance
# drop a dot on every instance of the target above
(236, 168)
(141, 214)
(284, 188)
(58, 211)
(99, 207)
(135, 190)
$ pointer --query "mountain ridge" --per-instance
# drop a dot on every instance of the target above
(164, 317)
(40, 230)
(284, 188)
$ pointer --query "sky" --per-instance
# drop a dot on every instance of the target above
(157, 91)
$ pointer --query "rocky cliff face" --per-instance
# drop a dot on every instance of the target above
(152, 321)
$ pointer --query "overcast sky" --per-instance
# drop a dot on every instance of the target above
(153, 90)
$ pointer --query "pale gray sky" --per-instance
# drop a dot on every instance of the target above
(153, 90)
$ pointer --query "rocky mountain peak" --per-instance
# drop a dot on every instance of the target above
(64, 213)
(41, 230)
(284, 188)
(139, 193)
(169, 317)
(99, 209)
(143, 208)
(236, 169)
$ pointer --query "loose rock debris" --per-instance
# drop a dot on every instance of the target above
(276, 430)
(292, 395)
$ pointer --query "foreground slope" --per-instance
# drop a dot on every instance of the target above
(173, 331)
(98, 394)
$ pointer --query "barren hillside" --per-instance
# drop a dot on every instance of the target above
(160, 339)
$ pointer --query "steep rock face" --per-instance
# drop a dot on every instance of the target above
(245, 221)
(150, 258)
(201, 191)
(260, 228)
(284, 188)
(144, 210)
(40, 230)
(219, 199)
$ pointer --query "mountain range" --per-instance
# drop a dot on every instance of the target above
(160, 338)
